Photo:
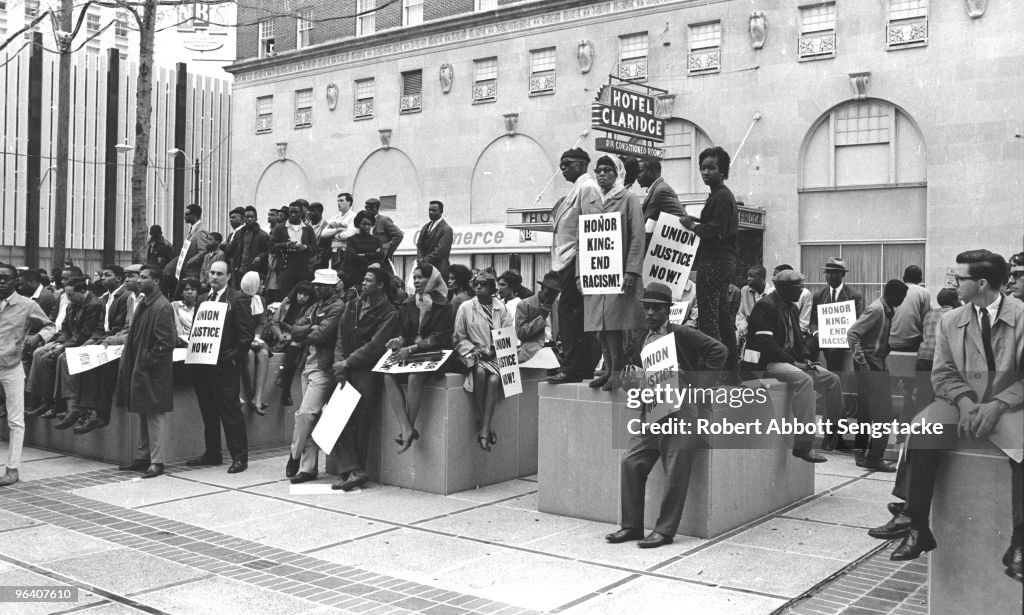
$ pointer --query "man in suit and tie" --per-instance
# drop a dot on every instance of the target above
(660, 196)
(698, 355)
(835, 291)
(434, 244)
(193, 250)
(385, 229)
(217, 385)
(977, 376)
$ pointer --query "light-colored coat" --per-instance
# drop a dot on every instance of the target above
(620, 312)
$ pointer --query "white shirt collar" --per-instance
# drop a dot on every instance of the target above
(992, 308)
(39, 291)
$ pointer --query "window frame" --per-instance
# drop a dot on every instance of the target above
(304, 26)
(906, 31)
(92, 23)
(303, 116)
(819, 43)
(633, 67)
(366, 24)
(411, 102)
(542, 82)
(265, 117)
(265, 44)
(363, 107)
(121, 26)
(406, 6)
(485, 90)
(706, 59)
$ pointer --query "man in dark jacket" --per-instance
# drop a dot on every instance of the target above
(774, 344)
(295, 246)
(385, 229)
(318, 332)
(158, 251)
(217, 385)
(434, 244)
(835, 291)
(533, 317)
(660, 197)
(363, 331)
(697, 354)
(249, 249)
(145, 382)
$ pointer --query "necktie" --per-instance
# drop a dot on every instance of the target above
(986, 342)
(833, 296)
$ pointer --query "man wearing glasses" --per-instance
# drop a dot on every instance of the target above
(1016, 286)
(977, 377)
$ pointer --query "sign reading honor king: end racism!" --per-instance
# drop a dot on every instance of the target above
(600, 254)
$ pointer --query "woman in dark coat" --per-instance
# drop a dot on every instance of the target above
(145, 378)
(425, 324)
(361, 250)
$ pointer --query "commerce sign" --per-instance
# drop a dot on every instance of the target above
(627, 113)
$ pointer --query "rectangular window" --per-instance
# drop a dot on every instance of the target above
(871, 264)
(542, 71)
(907, 25)
(304, 28)
(366, 17)
(817, 31)
(862, 124)
(264, 114)
(633, 56)
(485, 5)
(412, 12)
(92, 23)
(485, 80)
(389, 202)
(363, 108)
(266, 38)
(31, 9)
(304, 108)
(121, 26)
(412, 92)
(705, 48)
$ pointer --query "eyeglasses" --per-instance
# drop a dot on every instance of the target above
(1016, 275)
(960, 278)
(605, 171)
(6, 278)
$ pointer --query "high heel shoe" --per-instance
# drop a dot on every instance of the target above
(492, 437)
(413, 436)
(484, 442)
(399, 440)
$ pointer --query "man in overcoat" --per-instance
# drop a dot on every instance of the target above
(434, 244)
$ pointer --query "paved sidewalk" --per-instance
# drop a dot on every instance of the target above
(203, 541)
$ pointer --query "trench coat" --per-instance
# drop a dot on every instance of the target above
(619, 312)
(145, 377)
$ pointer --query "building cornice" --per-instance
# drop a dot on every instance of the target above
(436, 34)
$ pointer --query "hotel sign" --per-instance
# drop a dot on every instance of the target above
(627, 113)
(626, 148)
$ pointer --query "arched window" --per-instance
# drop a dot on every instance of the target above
(863, 194)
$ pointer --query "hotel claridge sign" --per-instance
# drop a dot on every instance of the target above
(887, 133)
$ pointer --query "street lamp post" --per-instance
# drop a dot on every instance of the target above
(195, 172)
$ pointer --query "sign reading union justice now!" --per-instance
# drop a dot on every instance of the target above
(627, 113)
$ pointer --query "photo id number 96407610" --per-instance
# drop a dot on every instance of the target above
(38, 593)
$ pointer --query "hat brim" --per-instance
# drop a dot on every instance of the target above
(656, 301)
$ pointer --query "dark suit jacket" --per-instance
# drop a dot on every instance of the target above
(294, 261)
(239, 326)
(435, 247)
(363, 333)
(389, 234)
(701, 357)
(118, 316)
(436, 328)
(259, 247)
(767, 331)
(661, 198)
(47, 302)
(824, 296)
(81, 322)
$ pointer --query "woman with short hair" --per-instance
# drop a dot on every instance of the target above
(362, 250)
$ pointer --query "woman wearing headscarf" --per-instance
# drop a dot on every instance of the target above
(185, 309)
(611, 315)
(288, 313)
(361, 250)
(473, 343)
(257, 362)
(425, 324)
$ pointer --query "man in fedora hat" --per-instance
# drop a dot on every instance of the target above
(700, 358)
(318, 332)
(835, 291)
(533, 317)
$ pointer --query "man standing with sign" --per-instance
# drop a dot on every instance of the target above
(193, 250)
(836, 291)
(145, 379)
(660, 197)
(579, 349)
(366, 325)
(697, 355)
(217, 385)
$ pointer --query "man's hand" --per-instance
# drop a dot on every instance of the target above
(403, 353)
(688, 221)
(394, 343)
(545, 310)
(987, 417)
(968, 410)
(55, 350)
(629, 283)
(33, 341)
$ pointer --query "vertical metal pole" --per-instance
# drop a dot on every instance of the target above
(110, 157)
(60, 201)
(35, 146)
(180, 88)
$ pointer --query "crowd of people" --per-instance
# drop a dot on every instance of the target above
(325, 295)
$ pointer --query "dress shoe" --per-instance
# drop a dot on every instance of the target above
(92, 423)
(563, 378)
(292, 467)
(624, 535)
(600, 381)
(1013, 560)
(139, 465)
(914, 544)
(303, 477)
(895, 508)
(238, 465)
(204, 461)
(50, 413)
(809, 456)
(42, 408)
(355, 479)
(70, 419)
(897, 527)
(153, 471)
(11, 477)
(876, 465)
(654, 540)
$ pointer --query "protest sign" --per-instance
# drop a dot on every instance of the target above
(661, 366)
(600, 254)
(178, 354)
(417, 362)
(84, 358)
(670, 256)
(505, 343)
(544, 359)
(834, 321)
(207, 330)
(677, 313)
(335, 416)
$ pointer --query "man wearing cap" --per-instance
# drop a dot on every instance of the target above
(249, 249)
(318, 332)
(580, 351)
(434, 243)
(236, 219)
(835, 291)
(700, 359)
(774, 345)
(158, 251)
(385, 229)
(533, 324)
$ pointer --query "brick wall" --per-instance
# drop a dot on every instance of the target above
(333, 20)
(439, 9)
